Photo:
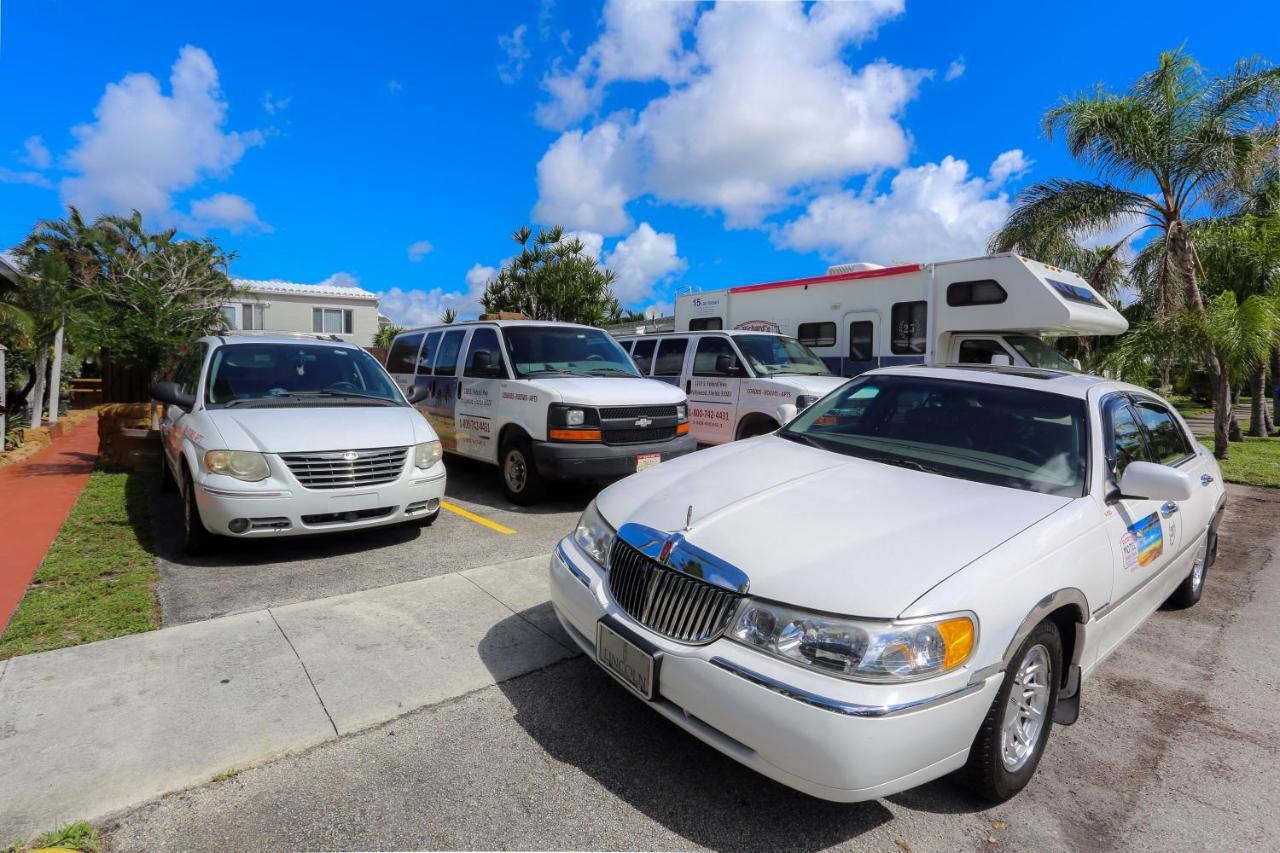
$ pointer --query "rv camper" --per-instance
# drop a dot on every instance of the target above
(857, 317)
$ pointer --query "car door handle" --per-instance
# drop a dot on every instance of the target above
(1168, 509)
(1206, 479)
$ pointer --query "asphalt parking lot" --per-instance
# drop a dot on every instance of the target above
(1176, 749)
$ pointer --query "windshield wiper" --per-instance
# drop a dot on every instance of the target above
(612, 370)
(357, 394)
(799, 438)
(914, 465)
(551, 372)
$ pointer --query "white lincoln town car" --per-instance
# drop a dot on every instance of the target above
(284, 435)
(912, 577)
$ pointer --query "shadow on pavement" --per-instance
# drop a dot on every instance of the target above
(479, 483)
(583, 718)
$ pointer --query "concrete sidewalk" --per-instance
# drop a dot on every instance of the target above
(88, 730)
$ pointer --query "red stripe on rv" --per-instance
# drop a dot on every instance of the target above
(828, 279)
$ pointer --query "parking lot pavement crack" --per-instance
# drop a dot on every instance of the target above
(567, 646)
(302, 664)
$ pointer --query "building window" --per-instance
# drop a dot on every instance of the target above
(230, 316)
(817, 334)
(252, 315)
(331, 321)
(861, 334)
(706, 324)
(985, 292)
(910, 327)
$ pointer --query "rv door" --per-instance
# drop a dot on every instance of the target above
(861, 351)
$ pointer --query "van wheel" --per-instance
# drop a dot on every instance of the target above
(522, 483)
(196, 539)
(1007, 749)
(167, 483)
(756, 426)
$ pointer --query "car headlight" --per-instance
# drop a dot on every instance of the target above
(857, 649)
(682, 411)
(804, 401)
(242, 464)
(575, 417)
(594, 535)
(427, 454)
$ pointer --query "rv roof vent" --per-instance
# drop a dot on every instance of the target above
(840, 269)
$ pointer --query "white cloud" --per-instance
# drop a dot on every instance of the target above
(228, 211)
(144, 146)
(592, 242)
(421, 307)
(955, 70)
(36, 154)
(642, 261)
(478, 276)
(931, 212)
(419, 249)
(517, 53)
(585, 179)
(35, 179)
(342, 279)
(394, 86)
(1009, 165)
(272, 105)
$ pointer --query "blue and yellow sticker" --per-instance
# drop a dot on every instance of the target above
(1143, 542)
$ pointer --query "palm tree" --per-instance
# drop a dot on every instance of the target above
(385, 334)
(448, 315)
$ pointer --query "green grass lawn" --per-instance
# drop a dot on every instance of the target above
(98, 579)
(74, 836)
(1254, 462)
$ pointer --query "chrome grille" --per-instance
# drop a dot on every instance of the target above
(671, 603)
(330, 470)
(610, 413)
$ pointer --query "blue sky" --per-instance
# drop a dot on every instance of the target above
(687, 143)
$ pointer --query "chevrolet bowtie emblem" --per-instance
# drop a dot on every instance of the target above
(643, 422)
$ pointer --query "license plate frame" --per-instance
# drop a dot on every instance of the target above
(619, 649)
(645, 461)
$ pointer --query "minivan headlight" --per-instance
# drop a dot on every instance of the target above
(594, 535)
(242, 464)
(857, 649)
(427, 454)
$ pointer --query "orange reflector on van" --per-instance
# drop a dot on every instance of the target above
(681, 429)
(574, 434)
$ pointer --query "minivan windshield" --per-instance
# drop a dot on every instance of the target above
(274, 374)
(772, 355)
(1014, 437)
(565, 351)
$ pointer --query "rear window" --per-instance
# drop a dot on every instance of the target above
(706, 324)
(404, 353)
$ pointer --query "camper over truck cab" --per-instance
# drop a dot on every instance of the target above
(859, 317)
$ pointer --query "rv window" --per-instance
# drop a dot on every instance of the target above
(817, 334)
(642, 355)
(706, 324)
(979, 350)
(404, 350)
(1075, 292)
(985, 292)
(670, 359)
(910, 321)
(861, 340)
(447, 359)
(706, 360)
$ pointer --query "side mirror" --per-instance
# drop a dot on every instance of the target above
(1154, 482)
(417, 393)
(172, 393)
(482, 362)
(1002, 359)
(726, 365)
(787, 413)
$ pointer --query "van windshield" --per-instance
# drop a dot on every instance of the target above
(565, 351)
(1037, 353)
(1014, 437)
(772, 355)
(262, 375)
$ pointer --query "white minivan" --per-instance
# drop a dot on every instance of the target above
(735, 380)
(543, 401)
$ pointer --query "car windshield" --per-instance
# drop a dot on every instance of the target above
(571, 351)
(774, 354)
(1014, 437)
(1037, 353)
(270, 374)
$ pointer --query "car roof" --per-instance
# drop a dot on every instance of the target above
(731, 332)
(504, 324)
(234, 338)
(1032, 378)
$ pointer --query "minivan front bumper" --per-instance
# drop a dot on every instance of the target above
(595, 461)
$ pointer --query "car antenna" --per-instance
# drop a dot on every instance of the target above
(688, 519)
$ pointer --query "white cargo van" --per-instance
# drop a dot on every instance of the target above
(735, 380)
(861, 316)
(543, 401)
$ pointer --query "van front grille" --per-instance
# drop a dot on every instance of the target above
(344, 469)
(610, 413)
(669, 602)
(638, 436)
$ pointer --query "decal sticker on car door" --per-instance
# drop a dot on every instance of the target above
(1142, 543)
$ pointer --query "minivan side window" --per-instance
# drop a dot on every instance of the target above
(909, 322)
(817, 334)
(1168, 441)
(670, 358)
(642, 355)
(706, 324)
(447, 360)
(428, 353)
(404, 351)
(486, 341)
(861, 335)
(707, 356)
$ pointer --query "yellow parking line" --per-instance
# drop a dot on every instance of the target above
(492, 525)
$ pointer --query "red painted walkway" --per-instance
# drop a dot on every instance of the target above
(35, 497)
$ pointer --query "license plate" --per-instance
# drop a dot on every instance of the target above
(648, 460)
(626, 661)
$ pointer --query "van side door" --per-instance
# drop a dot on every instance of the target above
(714, 382)
(443, 399)
(484, 372)
(402, 358)
(668, 363)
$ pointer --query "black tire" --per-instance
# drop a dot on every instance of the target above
(756, 426)
(167, 483)
(986, 773)
(196, 539)
(522, 482)
(1192, 586)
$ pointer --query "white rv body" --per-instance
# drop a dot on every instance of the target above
(860, 316)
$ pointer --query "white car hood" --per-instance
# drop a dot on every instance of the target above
(815, 386)
(823, 531)
(610, 390)
(295, 430)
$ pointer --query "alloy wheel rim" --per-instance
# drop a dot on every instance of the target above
(515, 471)
(1197, 568)
(1026, 711)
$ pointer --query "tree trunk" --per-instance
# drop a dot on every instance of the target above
(1275, 385)
(1182, 255)
(36, 400)
(55, 378)
(1258, 407)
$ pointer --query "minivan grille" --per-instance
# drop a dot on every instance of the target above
(671, 603)
(332, 470)
(610, 413)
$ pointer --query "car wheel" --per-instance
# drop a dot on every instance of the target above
(1192, 586)
(196, 539)
(521, 480)
(1007, 749)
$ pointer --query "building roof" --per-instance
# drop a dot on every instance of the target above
(290, 288)
(9, 266)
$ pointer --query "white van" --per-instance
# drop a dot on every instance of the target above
(735, 380)
(543, 401)
(861, 316)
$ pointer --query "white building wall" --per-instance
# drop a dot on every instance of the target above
(294, 313)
